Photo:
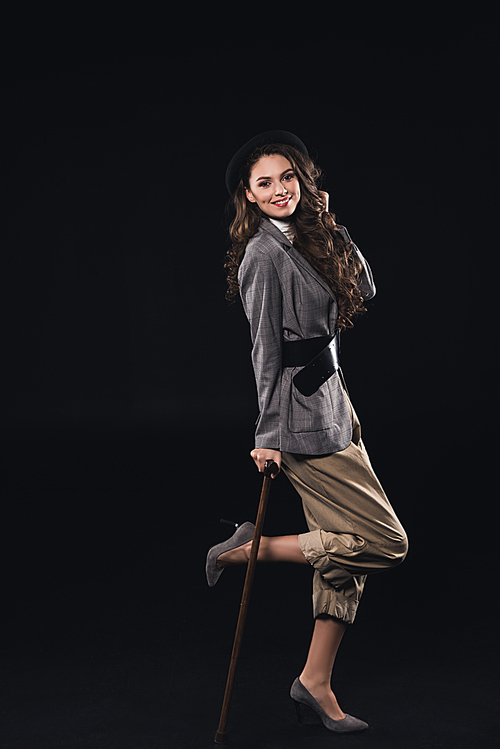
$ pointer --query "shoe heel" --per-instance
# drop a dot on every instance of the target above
(298, 710)
(230, 522)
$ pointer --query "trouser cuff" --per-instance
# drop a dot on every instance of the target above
(336, 592)
(334, 603)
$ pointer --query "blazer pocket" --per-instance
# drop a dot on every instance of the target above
(313, 413)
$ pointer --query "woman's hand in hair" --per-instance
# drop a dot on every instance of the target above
(261, 455)
(326, 202)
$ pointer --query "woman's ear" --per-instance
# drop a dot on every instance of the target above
(250, 197)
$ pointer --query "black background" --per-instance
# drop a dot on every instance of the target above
(129, 400)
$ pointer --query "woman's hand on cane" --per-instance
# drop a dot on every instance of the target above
(260, 455)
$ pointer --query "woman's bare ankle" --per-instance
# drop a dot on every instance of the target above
(314, 682)
(240, 555)
(320, 688)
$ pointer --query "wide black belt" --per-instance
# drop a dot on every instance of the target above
(319, 358)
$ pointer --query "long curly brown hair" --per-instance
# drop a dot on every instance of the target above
(316, 236)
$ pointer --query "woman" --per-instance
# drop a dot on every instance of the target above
(302, 281)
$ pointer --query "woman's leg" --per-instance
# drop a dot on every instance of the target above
(327, 634)
(317, 673)
(271, 549)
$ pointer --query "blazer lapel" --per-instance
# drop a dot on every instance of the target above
(270, 228)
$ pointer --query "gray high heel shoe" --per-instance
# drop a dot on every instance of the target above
(301, 696)
(241, 536)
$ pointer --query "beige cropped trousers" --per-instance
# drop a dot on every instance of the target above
(353, 530)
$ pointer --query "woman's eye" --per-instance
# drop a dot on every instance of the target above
(264, 184)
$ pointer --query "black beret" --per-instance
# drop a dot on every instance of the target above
(240, 157)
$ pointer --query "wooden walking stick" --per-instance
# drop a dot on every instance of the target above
(269, 469)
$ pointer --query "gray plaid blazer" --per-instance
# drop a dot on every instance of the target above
(284, 298)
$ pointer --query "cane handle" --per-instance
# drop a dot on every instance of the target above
(271, 467)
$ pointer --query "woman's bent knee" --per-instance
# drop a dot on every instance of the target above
(390, 552)
(397, 551)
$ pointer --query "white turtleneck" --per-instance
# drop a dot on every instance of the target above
(285, 227)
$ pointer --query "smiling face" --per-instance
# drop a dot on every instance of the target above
(274, 186)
